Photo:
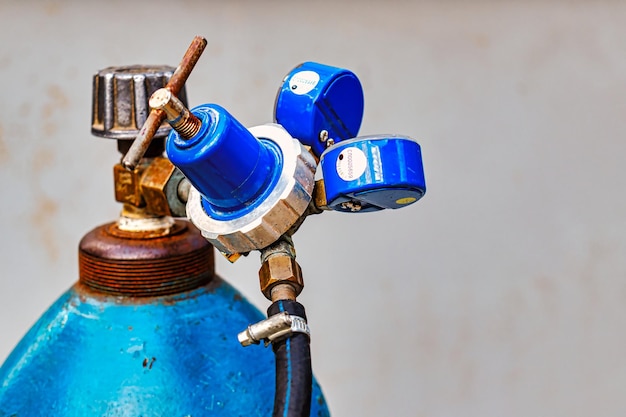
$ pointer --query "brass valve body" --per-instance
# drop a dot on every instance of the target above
(280, 270)
(153, 186)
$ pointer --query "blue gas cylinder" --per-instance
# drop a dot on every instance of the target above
(149, 330)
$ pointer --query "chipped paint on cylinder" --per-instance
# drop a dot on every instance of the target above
(94, 354)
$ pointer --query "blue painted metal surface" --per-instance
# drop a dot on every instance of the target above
(378, 172)
(176, 356)
(231, 168)
(316, 97)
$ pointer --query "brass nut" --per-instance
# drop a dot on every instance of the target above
(127, 188)
(159, 186)
(280, 269)
(319, 195)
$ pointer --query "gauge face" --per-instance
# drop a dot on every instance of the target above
(351, 163)
(303, 82)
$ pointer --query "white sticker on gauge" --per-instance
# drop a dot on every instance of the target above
(351, 164)
(304, 81)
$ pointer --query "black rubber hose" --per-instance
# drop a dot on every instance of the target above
(293, 367)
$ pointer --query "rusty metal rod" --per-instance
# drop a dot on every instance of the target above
(186, 65)
(142, 141)
(156, 117)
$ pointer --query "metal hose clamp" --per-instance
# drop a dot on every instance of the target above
(273, 328)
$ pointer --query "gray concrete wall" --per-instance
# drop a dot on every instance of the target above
(502, 293)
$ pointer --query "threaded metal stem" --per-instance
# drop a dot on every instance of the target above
(178, 116)
(188, 126)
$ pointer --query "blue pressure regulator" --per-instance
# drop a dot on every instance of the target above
(252, 186)
(251, 189)
(249, 186)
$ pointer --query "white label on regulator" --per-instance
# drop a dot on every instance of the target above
(304, 81)
(351, 164)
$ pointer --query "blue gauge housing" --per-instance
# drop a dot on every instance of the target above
(232, 170)
(373, 173)
(316, 97)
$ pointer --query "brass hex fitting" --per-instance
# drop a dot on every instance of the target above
(127, 185)
(319, 195)
(159, 186)
(152, 186)
(280, 269)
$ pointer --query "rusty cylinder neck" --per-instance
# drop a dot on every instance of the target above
(149, 267)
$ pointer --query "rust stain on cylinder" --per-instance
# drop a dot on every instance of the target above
(145, 266)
